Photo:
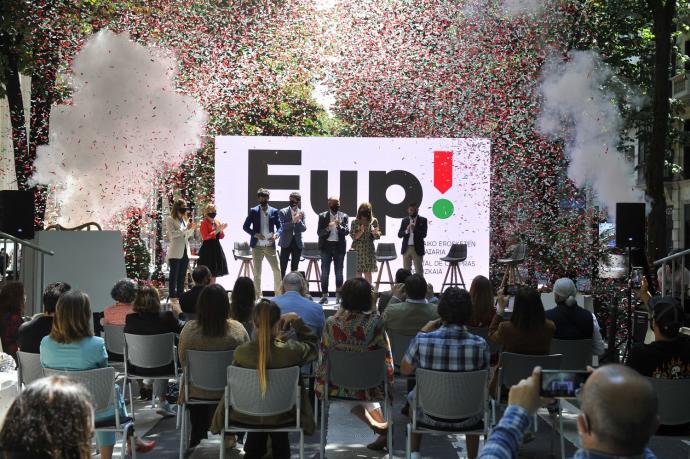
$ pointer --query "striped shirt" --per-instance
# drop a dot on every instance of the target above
(450, 348)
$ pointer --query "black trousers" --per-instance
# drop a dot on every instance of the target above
(255, 445)
(178, 273)
(285, 253)
(200, 417)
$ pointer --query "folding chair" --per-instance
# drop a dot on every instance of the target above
(243, 394)
(577, 353)
(100, 383)
(204, 370)
(28, 368)
(359, 371)
(437, 395)
(114, 336)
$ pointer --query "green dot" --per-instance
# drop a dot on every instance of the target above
(443, 208)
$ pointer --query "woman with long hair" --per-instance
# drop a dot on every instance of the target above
(364, 230)
(179, 230)
(268, 350)
(242, 301)
(12, 302)
(51, 418)
(211, 253)
(72, 346)
(483, 309)
(212, 330)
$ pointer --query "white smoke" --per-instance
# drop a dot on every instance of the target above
(125, 120)
(577, 107)
(522, 7)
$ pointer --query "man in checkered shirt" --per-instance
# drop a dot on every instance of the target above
(445, 345)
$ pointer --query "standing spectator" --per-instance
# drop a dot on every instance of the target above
(179, 230)
(408, 317)
(201, 277)
(242, 302)
(123, 293)
(292, 301)
(292, 225)
(211, 252)
(31, 333)
(364, 230)
(12, 302)
(483, 308)
(332, 229)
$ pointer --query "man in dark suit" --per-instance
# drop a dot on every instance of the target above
(332, 229)
(292, 226)
(201, 277)
(413, 232)
(263, 225)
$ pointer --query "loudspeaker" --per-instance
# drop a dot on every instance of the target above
(630, 224)
(17, 213)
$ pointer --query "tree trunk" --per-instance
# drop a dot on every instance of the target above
(22, 165)
(663, 13)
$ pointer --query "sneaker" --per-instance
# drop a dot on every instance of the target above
(166, 410)
(324, 299)
(145, 393)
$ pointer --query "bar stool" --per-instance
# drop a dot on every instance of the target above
(243, 252)
(456, 254)
(311, 252)
(512, 273)
(385, 253)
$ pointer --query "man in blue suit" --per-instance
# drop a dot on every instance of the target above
(292, 226)
(263, 225)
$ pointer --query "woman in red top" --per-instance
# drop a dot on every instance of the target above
(11, 307)
(211, 253)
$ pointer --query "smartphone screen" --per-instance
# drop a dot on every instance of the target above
(561, 384)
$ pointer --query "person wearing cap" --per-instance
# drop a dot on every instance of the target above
(263, 226)
(572, 321)
(668, 356)
(292, 225)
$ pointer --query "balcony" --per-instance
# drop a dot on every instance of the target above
(680, 88)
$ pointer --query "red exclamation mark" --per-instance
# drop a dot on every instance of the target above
(443, 170)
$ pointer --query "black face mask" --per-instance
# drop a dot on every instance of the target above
(335, 208)
(294, 203)
(413, 215)
(183, 210)
(366, 214)
(212, 214)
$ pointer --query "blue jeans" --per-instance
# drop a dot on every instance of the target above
(329, 253)
(178, 272)
(108, 438)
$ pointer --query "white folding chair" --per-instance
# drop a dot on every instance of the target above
(204, 370)
(243, 394)
(100, 383)
(449, 396)
(114, 337)
(28, 368)
(359, 371)
(577, 353)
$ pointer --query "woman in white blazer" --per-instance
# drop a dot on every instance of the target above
(179, 230)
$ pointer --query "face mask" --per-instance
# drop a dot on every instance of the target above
(366, 214)
(294, 203)
(212, 214)
(413, 215)
(183, 210)
(335, 208)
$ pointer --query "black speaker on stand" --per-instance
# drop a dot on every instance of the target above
(17, 213)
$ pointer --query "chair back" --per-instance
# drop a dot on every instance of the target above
(519, 253)
(29, 368)
(458, 251)
(438, 394)
(516, 367)
(114, 336)
(674, 403)
(484, 333)
(207, 369)
(356, 370)
(150, 351)
(245, 393)
(577, 353)
(311, 251)
(399, 345)
(241, 249)
(100, 382)
(386, 251)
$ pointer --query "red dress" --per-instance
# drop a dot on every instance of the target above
(211, 253)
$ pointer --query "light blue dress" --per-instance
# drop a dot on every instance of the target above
(86, 354)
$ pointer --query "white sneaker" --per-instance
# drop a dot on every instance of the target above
(166, 410)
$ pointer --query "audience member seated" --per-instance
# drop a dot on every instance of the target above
(357, 327)
(212, 330)
(242, 302)
(408, 317)
(31, 333)
(148, 319)
(483, 308)
(292, 301)
(618, 416)
(668, 356)
(12, 301)
(72, 346)
(50, 418)
(401, 276)
(527, 332)
(123, 293)
(572, 321)
(433, 351)
(201, 277)
(269, 350)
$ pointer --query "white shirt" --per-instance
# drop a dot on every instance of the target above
(410, 239)
(264, 229)
(333, 236)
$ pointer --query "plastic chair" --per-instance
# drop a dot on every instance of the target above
(484, 333)
(514, 368)
(359, 371)
(674, 403)
(512, 273)
(29, 368)
(456, 255)
(399, 345)
(385, 253)
(114, 336)
(243, 252)
(243, 394)
(577, 353)
(100, 383)
(437, 395)
(204, 370)
(311, 252)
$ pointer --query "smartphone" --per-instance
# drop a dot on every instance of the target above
(561, 384)
(510, 290)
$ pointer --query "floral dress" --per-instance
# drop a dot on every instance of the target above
(364, 246)
(359, 332)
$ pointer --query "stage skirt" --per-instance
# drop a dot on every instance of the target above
(212, 256)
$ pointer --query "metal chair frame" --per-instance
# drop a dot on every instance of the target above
(29, 368)
(458, 251)
(242, 251)
(312, 253)
(385, 253)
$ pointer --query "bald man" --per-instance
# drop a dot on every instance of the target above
(619, 416)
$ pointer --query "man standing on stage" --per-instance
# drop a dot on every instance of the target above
(291, 228)
(413, 232)
(263, 225)
(332, 229)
